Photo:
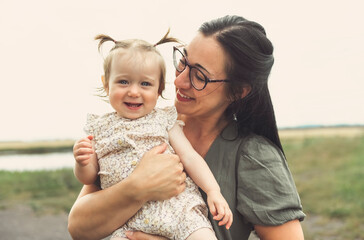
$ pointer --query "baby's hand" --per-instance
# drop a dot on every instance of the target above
(219, 208)
(82, 151)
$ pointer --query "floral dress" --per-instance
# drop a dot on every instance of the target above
(119, 145)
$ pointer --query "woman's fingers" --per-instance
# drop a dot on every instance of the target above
(161, 175)
(156, 150)
(143, 236)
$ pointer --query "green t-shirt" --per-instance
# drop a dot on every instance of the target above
(256, 182)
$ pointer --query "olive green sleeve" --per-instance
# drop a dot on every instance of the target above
(266, 192)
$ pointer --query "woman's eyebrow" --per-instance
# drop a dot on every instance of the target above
(195, 65)
(185, 52)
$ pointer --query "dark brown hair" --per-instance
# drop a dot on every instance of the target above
(250, 59)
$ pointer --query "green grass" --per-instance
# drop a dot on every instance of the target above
(329, 175)
(44, 191)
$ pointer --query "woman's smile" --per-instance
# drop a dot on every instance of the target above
(183, 98)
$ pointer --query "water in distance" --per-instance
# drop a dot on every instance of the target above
(33, 162)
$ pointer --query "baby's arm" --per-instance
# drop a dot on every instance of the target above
(86, 166)
(201, 174)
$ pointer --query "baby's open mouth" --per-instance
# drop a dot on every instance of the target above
(133, 104)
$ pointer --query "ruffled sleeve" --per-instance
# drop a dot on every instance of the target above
(266, 192)
(100, 126)
(91, 122)
(170, 114)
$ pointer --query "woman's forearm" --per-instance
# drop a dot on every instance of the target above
(291, 230)
(96, 214)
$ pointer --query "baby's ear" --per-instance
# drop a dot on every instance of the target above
(105, 84)
(103, 80)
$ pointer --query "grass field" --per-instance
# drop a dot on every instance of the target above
(44, 191)
(328, 169)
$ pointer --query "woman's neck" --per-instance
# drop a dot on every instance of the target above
(201, 132)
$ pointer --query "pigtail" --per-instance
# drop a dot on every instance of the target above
(102, 39)
(167, 39)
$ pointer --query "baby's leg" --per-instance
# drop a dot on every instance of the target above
(118, 238)
(202, 233)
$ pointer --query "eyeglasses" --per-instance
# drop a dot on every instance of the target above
(197, 77)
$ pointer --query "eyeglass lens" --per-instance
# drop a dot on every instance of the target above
(197, 78)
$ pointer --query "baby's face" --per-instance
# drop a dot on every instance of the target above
(133, 84)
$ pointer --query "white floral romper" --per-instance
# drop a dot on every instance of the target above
(119, 144)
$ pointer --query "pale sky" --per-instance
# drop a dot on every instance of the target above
(50, 65)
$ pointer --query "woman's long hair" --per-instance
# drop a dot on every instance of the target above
(250, 55)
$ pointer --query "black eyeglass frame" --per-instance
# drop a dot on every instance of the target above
(207, 80)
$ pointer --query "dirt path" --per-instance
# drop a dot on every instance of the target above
(21, 223)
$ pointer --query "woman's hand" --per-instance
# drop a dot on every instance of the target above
(161, 176)
(143, 236)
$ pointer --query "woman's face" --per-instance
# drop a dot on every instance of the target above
(206, 54)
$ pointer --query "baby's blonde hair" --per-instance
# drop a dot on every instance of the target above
(133, 44)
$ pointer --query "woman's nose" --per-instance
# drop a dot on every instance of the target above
(183, 79)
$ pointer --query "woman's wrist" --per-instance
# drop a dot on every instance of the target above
(136, 189)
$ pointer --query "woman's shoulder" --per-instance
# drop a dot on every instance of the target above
(249, 144)
(260, 147)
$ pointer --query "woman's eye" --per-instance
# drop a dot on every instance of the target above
(199, 76)
(145, 84)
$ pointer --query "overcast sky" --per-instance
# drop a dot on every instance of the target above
(50, 65)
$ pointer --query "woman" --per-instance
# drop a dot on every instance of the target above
(222, 96)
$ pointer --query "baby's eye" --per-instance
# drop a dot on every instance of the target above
(123, 82)
(145, 84)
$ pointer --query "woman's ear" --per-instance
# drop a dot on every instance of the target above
(246, 90)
